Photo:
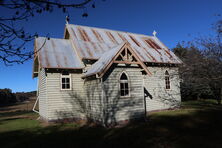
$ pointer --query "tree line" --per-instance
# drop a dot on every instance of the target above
(8, 97)
(201, 71)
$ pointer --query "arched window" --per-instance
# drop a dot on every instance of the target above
(124, 85)
(167, 80)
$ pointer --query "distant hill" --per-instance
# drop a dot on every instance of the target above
(8, 97)
(22, 96)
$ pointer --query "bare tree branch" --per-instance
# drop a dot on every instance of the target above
(13, 39)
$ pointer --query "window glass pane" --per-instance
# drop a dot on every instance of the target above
(126, 92)
(121, 85)
(67, 86)
(63, 86)
(67, 80)
(63, 80)
(126, 85)
(123, 77)
(122, 92)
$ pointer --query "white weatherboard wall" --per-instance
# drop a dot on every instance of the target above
(117, 108)
(102, 98)
(42, 94)
(94, 101)
(63, 103)
(155, 84)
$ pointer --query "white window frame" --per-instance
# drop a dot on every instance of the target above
(167, 80)
(124, 81)
(70, 81)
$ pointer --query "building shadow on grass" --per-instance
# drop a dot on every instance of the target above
(200, 128)
(14, 113)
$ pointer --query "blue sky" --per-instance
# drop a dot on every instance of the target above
(174, 20)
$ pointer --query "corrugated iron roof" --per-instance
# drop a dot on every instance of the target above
(93, 42)
(57, 53)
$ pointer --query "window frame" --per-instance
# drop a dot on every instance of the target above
(167, 80)
(124, 81)
(70, 81)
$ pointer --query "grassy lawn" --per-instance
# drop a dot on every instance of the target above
(196, 124)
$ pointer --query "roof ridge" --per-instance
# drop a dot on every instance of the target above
(111, 30)
(52, 38)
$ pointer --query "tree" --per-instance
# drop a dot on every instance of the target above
(212, 51)
(6, 97)
(193, 84)
(202, 68)
(14, 38)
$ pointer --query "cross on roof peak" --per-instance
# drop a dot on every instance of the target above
(154, 33)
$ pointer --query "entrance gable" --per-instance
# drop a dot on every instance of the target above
(124, 55)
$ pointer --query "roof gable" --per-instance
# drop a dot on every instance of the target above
(121, 54)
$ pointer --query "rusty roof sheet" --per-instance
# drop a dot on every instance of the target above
(57, 53)
(93, 42)
(105, 59)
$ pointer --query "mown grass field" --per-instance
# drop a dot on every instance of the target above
(196, 124)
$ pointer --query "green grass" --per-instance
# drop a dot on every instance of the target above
(19, 120)
(196, 124)
(17, 124)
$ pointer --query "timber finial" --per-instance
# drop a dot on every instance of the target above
(67, 19)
